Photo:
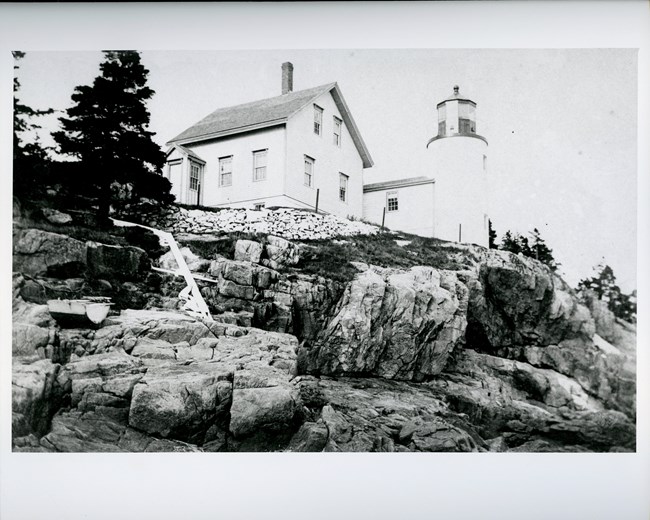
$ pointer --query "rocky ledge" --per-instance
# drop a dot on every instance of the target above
(169, 383)
(499, 356)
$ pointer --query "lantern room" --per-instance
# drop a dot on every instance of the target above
(457, 116)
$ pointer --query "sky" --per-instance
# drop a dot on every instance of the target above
(561, 124)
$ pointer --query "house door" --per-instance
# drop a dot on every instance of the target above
(194, 195)
(175, 177)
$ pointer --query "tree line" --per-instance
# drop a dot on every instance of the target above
(112, 157)
(602, 285)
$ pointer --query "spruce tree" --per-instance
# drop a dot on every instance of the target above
(515, 243)
(603, 285)
(540, 251)
(106, 130)
(535, 248)
(492, 236)
(31, 161)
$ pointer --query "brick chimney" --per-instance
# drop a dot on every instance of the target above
(287, 77)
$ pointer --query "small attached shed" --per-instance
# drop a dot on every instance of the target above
(403, 205)
(184, 169)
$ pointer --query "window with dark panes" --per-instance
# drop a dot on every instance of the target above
(392, 202)
(225, 171)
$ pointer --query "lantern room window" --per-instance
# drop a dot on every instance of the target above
(466, 118)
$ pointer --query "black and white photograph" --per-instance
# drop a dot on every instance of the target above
(322, 251)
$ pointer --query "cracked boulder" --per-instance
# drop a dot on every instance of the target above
(371, 415)
(182, 402)
(38, 252)
(116, 262)
(77, 431)
(517, 407)
(102, 383)
(280, 252)
(35, 396)
(602, 370)
(172, 327)
(518, 301)
(392, 323)
(248, 251)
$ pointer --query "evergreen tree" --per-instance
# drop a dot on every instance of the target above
(604, 286)
(492, 236)
(540, 251)
(106, 130)
(31, 161)
(535, 248)
(515, 243)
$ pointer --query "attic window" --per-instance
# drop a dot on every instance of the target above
(309, 171)
(318, 120)
(337, 131)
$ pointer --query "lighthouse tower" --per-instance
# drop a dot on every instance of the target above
(460, 162)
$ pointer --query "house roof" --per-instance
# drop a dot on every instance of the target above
(456, 96)
(266, 113)
(185, 151)
(400, 183)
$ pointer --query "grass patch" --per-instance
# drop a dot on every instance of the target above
(331, 258)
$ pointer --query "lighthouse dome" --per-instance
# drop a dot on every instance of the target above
(456, 117)
(456, 96)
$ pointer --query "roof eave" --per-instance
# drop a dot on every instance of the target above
(368, 188)
(352, 126)
(230, 131)
(184, 151)
(456, 99)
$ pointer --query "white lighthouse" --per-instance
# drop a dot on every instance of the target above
(460, 168)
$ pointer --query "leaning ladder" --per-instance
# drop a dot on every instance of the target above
(194, 302)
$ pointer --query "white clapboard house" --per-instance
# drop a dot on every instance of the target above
(283, 151)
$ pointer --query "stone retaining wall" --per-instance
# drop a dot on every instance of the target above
(284, 222)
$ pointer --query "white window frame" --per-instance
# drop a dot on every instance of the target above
(318, 120)
(338, 131)
(259, 172)
(309, 175)
(343, 187)
(392, 195)
(197, 179)
(222, 162)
